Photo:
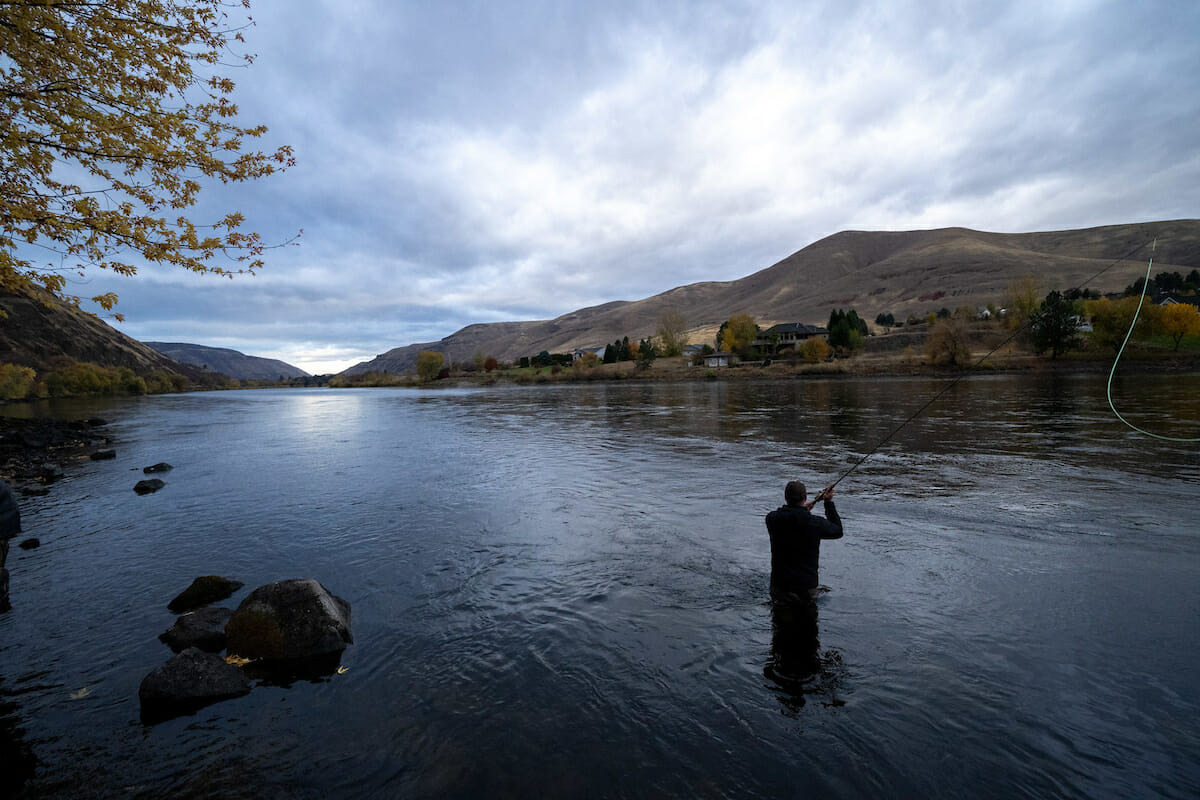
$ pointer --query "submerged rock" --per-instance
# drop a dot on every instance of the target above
(187, 682)
(290, 620)
(103, 455)
(204, 629)
(30, 543)
(149, 486)
(161, 466)
(204, 590)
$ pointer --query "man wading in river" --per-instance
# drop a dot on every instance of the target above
(796, 536)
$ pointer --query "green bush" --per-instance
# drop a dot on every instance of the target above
(16, 382)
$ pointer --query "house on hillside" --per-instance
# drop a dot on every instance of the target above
(787, 336)
(580, 352)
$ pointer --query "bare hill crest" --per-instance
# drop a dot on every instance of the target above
(902, 273)
(228, 362)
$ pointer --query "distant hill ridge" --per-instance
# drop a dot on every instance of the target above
(909, 272)
(230, 362)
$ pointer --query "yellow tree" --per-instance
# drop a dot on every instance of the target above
(815, 349)
(113, 112)
(429, 364)
(1111, 319)
(1022, 300)
(737, 333)
(1179, 320)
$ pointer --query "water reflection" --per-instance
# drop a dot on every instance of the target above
(795, 665)
(15, 753)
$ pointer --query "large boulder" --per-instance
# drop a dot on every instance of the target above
(204, 629)
(290, 620)
(204, 590)
(187, 682)
(149, 486)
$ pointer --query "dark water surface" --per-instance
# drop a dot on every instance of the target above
(562, 591)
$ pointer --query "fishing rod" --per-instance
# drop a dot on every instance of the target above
(1021, 329)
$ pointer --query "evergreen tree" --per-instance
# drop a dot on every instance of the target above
(1054, 325)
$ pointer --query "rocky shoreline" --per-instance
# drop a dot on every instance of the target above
(33, 452)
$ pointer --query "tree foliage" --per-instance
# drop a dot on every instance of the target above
(1179, 320)
(1054, 324)
(672, 333)
(814, 349)
(737, 334)
(646, 353)
(619, 350)
(846, 330)
(113, 113)
(947, 342)
(1021, 301)
(429, 364)
(1111, 319)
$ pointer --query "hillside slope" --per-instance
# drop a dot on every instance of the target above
(902, 273)
(40, 333)
(230, 362)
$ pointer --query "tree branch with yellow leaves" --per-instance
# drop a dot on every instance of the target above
(114, 101)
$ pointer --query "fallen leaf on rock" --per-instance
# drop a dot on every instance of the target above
(343, 670)
(237, 661)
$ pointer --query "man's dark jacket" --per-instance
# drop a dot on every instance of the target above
(796, 536)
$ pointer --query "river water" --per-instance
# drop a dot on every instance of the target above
(562, 590)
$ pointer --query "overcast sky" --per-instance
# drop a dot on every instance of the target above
(463, 162)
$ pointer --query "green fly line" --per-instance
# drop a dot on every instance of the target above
(1014, 335)
(1117, 360)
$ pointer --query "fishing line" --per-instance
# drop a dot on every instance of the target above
(986, 356)
(1113, 371)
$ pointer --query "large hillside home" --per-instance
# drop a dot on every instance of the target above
(786, 336)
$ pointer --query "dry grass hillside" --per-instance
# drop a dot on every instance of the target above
(901, 273)
(42, 333)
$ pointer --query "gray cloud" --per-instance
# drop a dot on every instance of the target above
(473, 162)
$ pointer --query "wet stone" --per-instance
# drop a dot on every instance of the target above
(202, 591)
(149, 486)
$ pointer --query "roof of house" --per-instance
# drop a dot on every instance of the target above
(1192, 300)
(793, 327)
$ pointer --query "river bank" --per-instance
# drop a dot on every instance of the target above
(884, 364)
(34, 452)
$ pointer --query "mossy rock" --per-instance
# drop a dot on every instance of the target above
(289, 620)
(255, 634)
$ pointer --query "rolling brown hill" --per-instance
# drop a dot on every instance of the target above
(41, 332)
(901, 273)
